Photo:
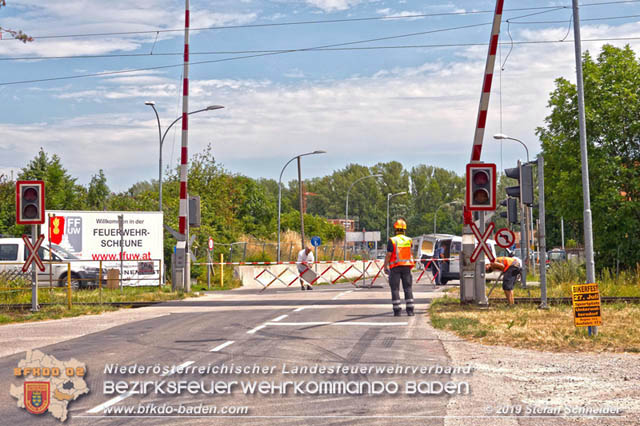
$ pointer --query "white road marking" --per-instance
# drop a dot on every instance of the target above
(281, 317)
(222, 346)
(341, 294)
(260, 327)
(300, 309)
(124, 396)
(382, 324)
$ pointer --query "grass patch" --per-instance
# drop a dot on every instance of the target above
(526, 326)
(59, 309)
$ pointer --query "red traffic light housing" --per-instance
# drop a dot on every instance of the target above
(481, 186)
(30, 202)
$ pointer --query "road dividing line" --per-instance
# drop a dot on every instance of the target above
(375, 324)
(301, 308)
(281, 317)
(222, 346)
(341, 294)
(260, 327)
(112, 401)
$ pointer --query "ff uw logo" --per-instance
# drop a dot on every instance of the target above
(67, 232)
(49, 384)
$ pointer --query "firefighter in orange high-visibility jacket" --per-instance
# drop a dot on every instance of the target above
(398, 264)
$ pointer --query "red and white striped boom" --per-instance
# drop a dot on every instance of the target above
(486, 85)
(184, 158)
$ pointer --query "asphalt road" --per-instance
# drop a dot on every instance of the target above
(276, 331)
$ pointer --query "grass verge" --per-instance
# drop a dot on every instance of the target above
(526, 326)
(60, 308)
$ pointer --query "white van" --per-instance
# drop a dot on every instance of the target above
(452, 246)
(13, 254)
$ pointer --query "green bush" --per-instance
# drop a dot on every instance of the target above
(566, 272)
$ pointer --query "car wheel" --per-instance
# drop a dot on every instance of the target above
(76, 283)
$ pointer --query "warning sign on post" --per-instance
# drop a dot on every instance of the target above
(586, 305)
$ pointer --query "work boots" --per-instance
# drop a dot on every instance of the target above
(397, 312)
(410, 312)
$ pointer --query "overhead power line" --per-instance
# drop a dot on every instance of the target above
(237, 52)
(316, 49)
(327, 21)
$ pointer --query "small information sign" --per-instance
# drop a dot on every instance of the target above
(586, 305)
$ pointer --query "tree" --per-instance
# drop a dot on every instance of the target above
(98, 192)
(612, 92)
(61, 190)
(18, 35)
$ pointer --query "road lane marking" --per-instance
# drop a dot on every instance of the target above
(124, 396)
(382, 324)
(281, 317)
(260, 327)
(341, 294)
(222, 346)
(300, 309)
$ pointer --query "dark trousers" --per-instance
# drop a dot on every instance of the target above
(397, 274)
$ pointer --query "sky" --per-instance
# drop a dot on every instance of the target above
(400, 81)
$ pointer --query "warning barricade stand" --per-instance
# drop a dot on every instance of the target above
(267, 277)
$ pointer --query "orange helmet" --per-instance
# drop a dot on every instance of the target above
(400, 224)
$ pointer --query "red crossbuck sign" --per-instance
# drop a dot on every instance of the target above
(33, 253)
(482, 242)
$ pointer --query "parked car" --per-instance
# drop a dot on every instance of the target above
(13, 253)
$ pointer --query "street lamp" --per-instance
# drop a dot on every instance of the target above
(163, 135)
(500, 136)
(280, 195)
(389, 197)
(435, 215)
(346, 210)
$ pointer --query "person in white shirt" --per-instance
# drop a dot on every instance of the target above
(305, 260)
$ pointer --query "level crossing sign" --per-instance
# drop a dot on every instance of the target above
(482, 242)
(33, 253)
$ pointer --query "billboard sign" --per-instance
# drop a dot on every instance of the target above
(96, 236)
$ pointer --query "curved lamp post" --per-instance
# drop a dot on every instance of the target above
(501, 136)
(346, 210)
(435, 215)
(389, 197)
(163, 135)
(280, 190)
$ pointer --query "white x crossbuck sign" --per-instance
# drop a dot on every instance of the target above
(482, 242)
(33, 253)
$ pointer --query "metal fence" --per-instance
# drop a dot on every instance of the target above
(73, 281)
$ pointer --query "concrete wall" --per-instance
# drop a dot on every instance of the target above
(247, 273)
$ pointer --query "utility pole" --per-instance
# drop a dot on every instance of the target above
(588, 229)
(301, 204)
(542, 241)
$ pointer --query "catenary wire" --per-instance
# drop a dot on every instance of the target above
(328, 21)
(267, 53)
(128, 55)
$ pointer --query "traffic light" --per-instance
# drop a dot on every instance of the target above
(512, 210)
(523, 173)
(30, 202)
(481, 186)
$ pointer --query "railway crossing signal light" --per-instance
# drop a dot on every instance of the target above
(512, 210)
(30, 202)
(523, 173)
(481, 186)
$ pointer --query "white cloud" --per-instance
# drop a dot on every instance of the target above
(421, 114)
(333, 5)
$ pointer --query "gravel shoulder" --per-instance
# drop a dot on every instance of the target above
(507, 379)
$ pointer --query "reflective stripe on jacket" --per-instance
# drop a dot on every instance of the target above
(507, 262)
(401, 255)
